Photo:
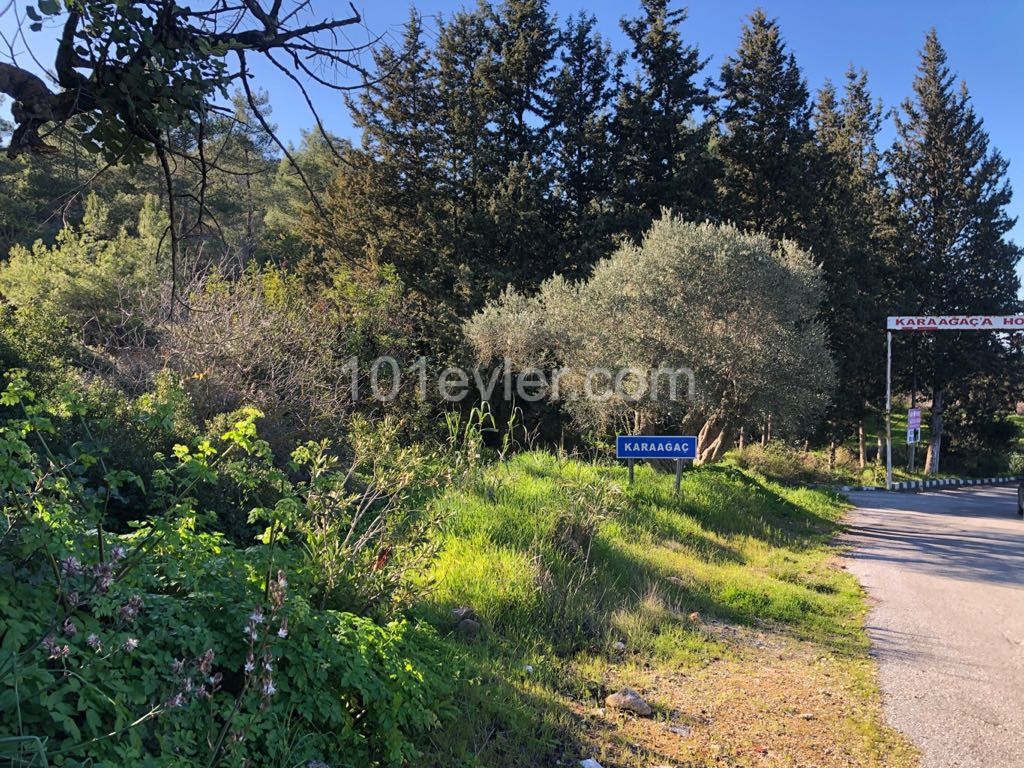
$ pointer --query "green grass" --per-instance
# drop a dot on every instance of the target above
(560, 559)
(792, 465)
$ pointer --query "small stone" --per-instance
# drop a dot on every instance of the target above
(528, 669)
(681, 730)
(618, 646)
(468, 628)
(590, 763)
(630, 701)
(807, 715)
(694, 618)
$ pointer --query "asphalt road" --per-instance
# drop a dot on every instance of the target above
(945, 574)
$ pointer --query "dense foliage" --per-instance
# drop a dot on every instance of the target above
(220, 546)
(500, 147)
(748, 351)
(171, 643)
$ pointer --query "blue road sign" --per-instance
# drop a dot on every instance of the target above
(656, 447)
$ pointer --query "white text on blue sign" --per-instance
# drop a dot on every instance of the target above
(656, 447)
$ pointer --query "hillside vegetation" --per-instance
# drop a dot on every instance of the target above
(583, 583)
(306, 437)
(428, 605)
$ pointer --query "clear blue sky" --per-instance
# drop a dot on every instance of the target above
(982, 38)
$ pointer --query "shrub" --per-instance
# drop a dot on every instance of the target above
(105, 289)
(168, 646)
(1016, 465)
(779, 461)
(268, 341)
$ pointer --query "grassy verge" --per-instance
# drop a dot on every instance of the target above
(725, 608)
(794, 466)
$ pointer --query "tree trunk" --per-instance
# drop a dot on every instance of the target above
(862, 440)
(931, 462)
(711, 451)
(743, 434)
(880, 449)
(831, 455)
(702, 438)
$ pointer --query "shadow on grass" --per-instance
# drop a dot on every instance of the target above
(635, 575)
(505, 718)
(737, 503)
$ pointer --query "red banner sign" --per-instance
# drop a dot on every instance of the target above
(956, 323)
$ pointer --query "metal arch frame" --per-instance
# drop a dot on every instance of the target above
(1000, 323)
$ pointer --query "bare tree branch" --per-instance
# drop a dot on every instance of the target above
(170, 63)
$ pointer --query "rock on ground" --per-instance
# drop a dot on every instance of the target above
(630, 701)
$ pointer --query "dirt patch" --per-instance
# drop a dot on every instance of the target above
(770, 701)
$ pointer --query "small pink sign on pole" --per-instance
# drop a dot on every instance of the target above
(914, 418)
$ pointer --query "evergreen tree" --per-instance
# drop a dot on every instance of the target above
(765, 145)
(660, 147)
(522, 41)
(399, 115)
(953, 193)
(579, 114)
(493, 68)
(293, 226)
(245, 155)
(521, 244)
(854, 236)
(383, 207)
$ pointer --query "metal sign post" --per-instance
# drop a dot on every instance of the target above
(913, 434)
(888, 411)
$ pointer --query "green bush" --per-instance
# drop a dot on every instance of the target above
(104, 289)
(169, 646)
(1017, 463)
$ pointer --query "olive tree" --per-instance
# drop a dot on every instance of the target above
(731, 311)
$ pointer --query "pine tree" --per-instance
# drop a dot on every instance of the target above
(854, 236)
(523, 224)
(953, 193)
(383, 208)
(244, 147)
(765, 144)
(579, 116)
(522, 42)
(399, 114)
(661, 149)
(493, 68)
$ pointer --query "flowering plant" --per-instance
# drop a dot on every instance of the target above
(166, 644)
